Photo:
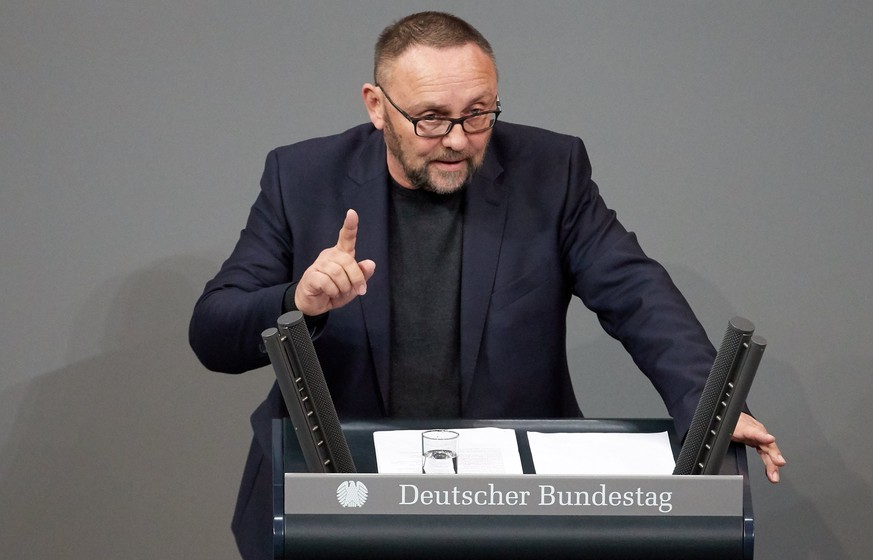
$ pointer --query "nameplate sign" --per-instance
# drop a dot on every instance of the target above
(382, 494)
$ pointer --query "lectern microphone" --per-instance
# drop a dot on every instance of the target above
(722, 400)
(307, 397)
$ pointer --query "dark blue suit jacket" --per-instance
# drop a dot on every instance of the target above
(536, 232)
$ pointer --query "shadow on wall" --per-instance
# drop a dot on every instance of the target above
(821, 510)
(137, 452)
(799, 517)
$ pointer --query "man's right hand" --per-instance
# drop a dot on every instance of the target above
(335, 278)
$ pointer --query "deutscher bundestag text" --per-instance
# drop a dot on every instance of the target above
(547, 496)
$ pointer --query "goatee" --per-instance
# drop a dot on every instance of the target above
(425, 177)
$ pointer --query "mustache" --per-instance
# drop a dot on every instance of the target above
(452, 156)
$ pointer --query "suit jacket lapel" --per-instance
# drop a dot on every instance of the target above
(484, 219)
(366, 191)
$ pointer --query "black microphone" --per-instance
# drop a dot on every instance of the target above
(307, 396)
(722, 400)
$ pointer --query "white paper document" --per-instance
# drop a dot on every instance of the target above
(601, 453)
(480, 451)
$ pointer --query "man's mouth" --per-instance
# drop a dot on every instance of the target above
(450, 164)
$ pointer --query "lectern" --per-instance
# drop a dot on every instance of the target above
(709, 516)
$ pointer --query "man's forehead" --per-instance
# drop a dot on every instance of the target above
(422, 62)
(428, 72)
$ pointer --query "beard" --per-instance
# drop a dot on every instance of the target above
(427, 178)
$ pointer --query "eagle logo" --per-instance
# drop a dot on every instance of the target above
(351, 493)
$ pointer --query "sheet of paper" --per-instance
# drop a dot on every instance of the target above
(601, 453)
(480, 451)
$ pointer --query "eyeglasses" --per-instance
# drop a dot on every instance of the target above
(433, 126)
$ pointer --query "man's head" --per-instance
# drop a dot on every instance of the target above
(433, 65)
(425, 29)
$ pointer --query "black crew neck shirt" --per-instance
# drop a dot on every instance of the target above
(425, 237)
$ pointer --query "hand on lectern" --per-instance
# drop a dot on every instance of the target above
(752, 433)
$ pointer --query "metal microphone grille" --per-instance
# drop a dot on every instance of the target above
(326, 419)
(738, 330)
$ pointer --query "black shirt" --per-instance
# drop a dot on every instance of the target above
(425, 235)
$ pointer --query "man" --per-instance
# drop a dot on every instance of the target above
(481, 231)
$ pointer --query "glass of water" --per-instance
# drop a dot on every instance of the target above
(439, 452)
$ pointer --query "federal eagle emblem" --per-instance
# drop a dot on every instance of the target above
(351, 493)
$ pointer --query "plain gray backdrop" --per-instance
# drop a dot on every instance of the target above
(735, 138)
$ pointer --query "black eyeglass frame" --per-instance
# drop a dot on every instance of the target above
(452, 121)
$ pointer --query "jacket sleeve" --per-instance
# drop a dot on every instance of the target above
(633, 296)
(246, 296)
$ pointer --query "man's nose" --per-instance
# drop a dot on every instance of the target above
(456, 139)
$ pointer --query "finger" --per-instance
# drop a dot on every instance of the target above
(339, 275)
(771, 470)
(775, 455)
(349, 276)
(320, 294)
(770, 455)
(751, 432)
(368, 268)
(755, 438)
(348, 235)
(363, 272)
(771, 465)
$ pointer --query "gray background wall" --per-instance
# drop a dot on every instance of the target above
(734, 137)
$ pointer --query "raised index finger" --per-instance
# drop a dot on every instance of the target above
(348, 235)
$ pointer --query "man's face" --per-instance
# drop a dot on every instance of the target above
(449, 82)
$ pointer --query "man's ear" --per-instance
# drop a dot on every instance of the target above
(373, 102)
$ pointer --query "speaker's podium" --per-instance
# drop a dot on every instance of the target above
(517, 516)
